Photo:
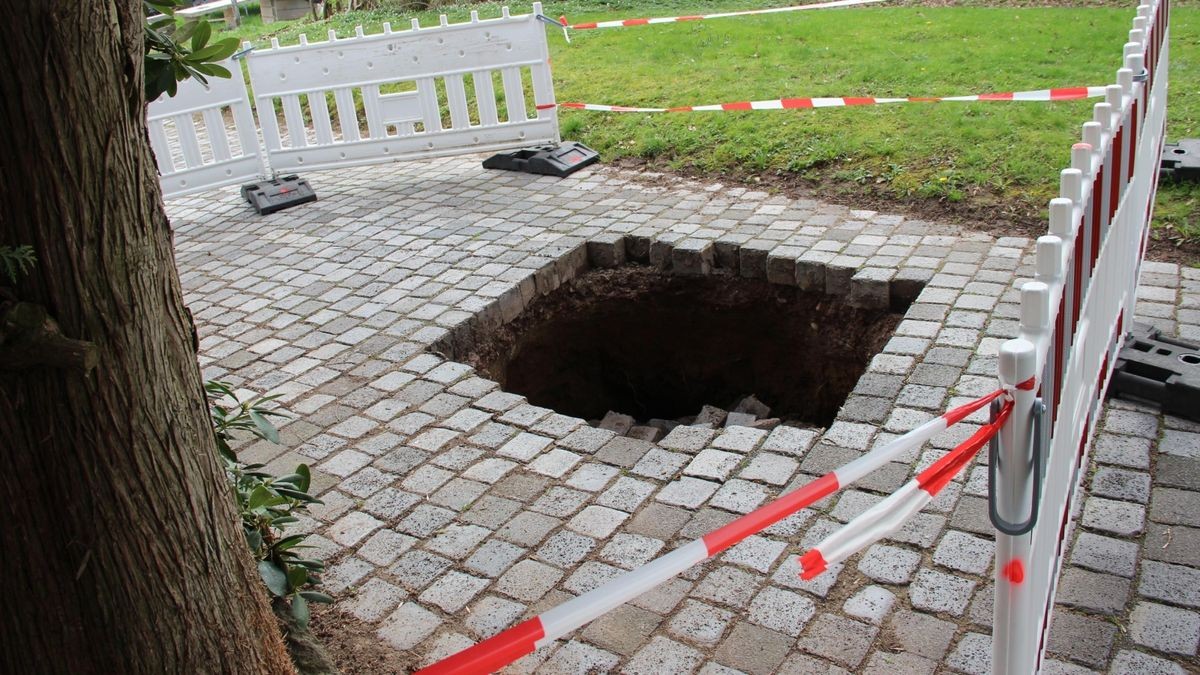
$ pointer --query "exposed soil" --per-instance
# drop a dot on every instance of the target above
(354, 646)
(652, 345)
(981, 211)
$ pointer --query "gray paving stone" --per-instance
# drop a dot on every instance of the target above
(528, 580)
(871, 604)
(1085, 639)
(1131, 486)
(838, 639)
(700, 623)
(623, 630)
(1137, 663)
(973, 655)
(1167, 629)
(1101, 593)
(1104, 554)
(921, 634)
(1175, 507)
(1115, 517)
(1176, 584)
(493, 558)
(1172, 543)
(887, 663)
(889, 564)
(527, 528)
(565, 548)
(453, 591)
(491, 615)
(408, 626)
(1181, 472)
(752, 649)
(663, 655)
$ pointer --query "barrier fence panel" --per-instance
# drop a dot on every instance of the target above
(479, 86)
(204, 136)
(1074, 315)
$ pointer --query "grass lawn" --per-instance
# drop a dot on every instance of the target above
(995, 162)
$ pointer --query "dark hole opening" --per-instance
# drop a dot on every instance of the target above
(651, 345)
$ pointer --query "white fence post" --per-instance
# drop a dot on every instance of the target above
(1073, 319)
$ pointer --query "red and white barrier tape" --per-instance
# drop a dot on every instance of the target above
(1060, 94)
(510, 645)
(889, 515)
(622, 23)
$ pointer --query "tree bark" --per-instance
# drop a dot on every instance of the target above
(120, 550)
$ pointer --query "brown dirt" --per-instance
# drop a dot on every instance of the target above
(654, 345)
(981, 211)
(354, 646)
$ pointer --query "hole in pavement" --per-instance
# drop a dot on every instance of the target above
(657, 346)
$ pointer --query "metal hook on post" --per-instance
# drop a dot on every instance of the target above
(1038, 470)
(557, 24)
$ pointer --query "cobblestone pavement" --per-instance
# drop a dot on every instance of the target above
(452, 509)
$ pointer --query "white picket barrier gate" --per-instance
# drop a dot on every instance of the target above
(1073, 320)
(193, 157)
(412, 86)
(410, 83)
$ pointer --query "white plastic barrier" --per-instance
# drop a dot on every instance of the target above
(414, 92)
(1073, 319)
(204, 136)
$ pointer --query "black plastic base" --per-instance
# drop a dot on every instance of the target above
(1160, 369)
(1181, 161)
(269, 196)
(548, 160)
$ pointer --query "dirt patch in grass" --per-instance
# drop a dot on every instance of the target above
(981, 211)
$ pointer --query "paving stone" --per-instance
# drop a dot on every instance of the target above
(630, 550)
(790, 440)
(1176, 584)
(416, 569)
(491, 615)
(782, 611)
(753, 650)
(577, 657)
(700, 623)
(1175, 507)
(921, 634)
(1122, 450)
(352, 527)
(1180, 443)
(740, 439)
(1131, 423)
(559, 502)
(1137, 663)
(590, 576)
(555, 463)
(424, 520)
(1102, 593)
(663, 655)
(527, 528)
(728, 586)
(770, 468)
(491, 511)
(739, 496)
(408, 626)
(962, 552)
(689, 439)
(626, 494)
(973, 655)
(493, 558)
(385, 546)
(1130, 486)
(1120, 518)
(713, 464)
(1104, 554)
(1181, 472)
(528, 580)
(373, 601)
(565, 548)
(1085, 639)
(1167, 629)
(597, 521)
(687, 492)
(592, 477)
(659, 521)
(889, 564)
(838, 639)
(1171, 543)
(624, 452)
(525, 446)
(659, 464)
(757, 553)
(453, 591)
(871, 604)
(887, 663)
(623, 630)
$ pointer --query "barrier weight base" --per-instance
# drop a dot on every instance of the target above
(1181, 161)
(548, 160)
(269, 196)
(1160, 369)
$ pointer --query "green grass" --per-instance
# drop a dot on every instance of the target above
(991, 160)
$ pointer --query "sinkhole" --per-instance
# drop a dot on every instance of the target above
(657, 346)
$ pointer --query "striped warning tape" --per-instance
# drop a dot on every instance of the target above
(622, 23)
(508, 646)
(889, 515)
(1060, 94)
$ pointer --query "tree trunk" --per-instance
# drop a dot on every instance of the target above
(120, 550)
